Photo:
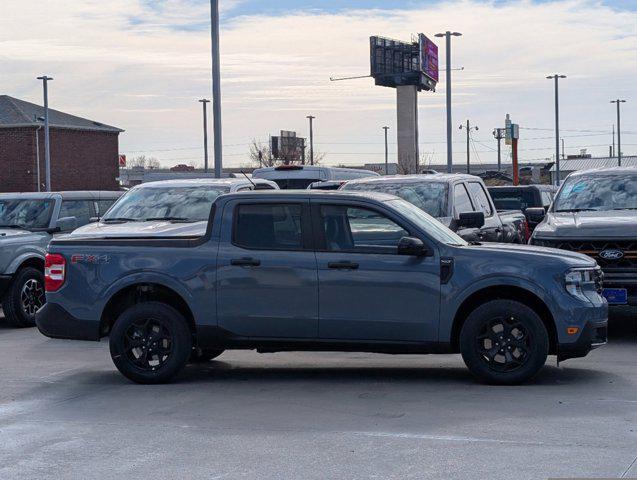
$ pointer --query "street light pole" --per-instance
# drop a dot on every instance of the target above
(386, 152)
(619, 130)
(448, 36)
(311, 119)
(47, 144)
(557, 77)
(468, 128)
(216, 86)
(498, 134)
(204, 102)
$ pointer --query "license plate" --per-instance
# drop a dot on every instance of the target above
(616, 296)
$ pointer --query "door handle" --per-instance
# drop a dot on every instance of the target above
(343, 265)
(245, 262)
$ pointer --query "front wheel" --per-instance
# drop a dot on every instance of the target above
(24, 298)
(150, 343)
(504, 342)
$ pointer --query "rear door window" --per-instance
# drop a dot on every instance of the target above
(268, 226)
(103, 206)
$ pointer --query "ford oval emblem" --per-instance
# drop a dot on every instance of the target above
(612, 254)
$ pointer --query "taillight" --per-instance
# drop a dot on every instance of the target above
(54, 272)
(527, 231)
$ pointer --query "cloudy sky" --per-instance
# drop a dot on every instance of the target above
(142, 65)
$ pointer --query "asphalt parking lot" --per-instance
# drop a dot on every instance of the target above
(66, 413)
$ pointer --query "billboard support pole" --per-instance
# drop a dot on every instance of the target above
(216, 86)
(386, 152)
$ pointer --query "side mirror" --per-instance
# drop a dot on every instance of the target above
(471, 220)
(535, 214)
(66, 224)
(93, 219)
(412, 246)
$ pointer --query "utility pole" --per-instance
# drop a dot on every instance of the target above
(448, 36)
(498, 134)
(619, 132)
(386, 152)
(563, 157)
(311, 119)
(556, 77)
(204, 102)
(468, 128)
(216, 86)
(47, 144)
(613, 150)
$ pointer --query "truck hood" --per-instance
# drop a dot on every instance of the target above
(535, 254)
(140, 230)
(17, 235)
(587, 225)
(13, 232)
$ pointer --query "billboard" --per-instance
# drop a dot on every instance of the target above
(428, 57)
(287, 147)
(395, 63)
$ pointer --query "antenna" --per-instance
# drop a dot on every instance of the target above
(249, 179)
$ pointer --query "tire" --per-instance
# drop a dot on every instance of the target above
(203, 356)
(150, 343)
(24, 297)
(504, 342)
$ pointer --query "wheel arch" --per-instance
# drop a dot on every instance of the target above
(29, 260)
(504, 292)
(140, 292)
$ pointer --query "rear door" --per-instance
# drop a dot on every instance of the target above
(366, 290)
(266, 277)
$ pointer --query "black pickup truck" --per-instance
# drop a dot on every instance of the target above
(461, 202)
(527, 198)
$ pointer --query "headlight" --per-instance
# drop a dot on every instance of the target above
(578, 280)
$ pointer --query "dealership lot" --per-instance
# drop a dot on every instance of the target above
(65, 412)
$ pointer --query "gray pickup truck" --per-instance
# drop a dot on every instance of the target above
(28, 221)
(322, 271)
(595, 213)
(461, 202)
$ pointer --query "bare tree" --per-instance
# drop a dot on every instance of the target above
(261, 156)
(407, 165)
(150, 163)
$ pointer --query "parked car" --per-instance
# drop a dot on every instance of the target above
(28, 221)
(524, 197)
(391, 279)
(155, 207)
(301, 176)
(461, 202)
(595, 213)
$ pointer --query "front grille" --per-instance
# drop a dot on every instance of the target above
(599, 280)
(620, 273)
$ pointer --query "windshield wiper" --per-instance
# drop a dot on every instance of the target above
(575, 210)
(169, 219)
(13, 225)
(119, 220)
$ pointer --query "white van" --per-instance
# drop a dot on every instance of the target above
(301, 176)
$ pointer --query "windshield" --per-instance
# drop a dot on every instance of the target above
(187, 204)
(597, 192)
(430, 197)
(426, 223)
(29, 214)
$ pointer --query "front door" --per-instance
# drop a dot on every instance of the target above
(366, 290)
(266, 271)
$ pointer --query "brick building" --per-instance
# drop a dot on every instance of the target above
(84, 153)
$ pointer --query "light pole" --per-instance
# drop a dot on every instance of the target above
(204, 102)
(47, 145)
(468, 128)
(386, 152)
(311, 119)
(619, 131)
(448, 36)
(557, 77)
(216, 86)
(498, 134)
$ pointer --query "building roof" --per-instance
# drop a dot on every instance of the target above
(572, 164)
(18, 113)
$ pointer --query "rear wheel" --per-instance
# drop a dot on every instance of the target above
(150, 343)
(504, 342)
(24, 297)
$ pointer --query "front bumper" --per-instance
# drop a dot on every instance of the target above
(55, 322)
(594, 335)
